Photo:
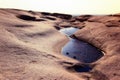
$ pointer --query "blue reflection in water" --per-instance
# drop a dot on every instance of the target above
(84, 68)
(79, 50)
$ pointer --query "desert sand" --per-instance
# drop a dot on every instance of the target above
(30, 46)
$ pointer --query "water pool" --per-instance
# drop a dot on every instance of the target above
(79, 50)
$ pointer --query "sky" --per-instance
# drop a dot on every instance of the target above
(65, 6)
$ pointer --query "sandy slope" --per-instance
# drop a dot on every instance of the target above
(104, 33)
(26, 48)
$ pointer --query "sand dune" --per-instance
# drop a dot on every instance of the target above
(26, 48)
(30, 46)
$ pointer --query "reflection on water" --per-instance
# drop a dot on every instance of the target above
(82, 68)
(79, 50)
(68, 31)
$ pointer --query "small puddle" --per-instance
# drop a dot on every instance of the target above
(79, 50)
(84, 68)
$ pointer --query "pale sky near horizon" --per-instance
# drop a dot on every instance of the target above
(65, 6)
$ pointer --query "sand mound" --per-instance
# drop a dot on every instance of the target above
(103, 32)
(26, 48)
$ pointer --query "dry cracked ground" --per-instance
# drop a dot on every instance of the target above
(30, 46)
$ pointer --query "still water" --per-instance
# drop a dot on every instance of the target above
(79, 50)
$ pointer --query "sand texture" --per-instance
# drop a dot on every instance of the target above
(30, 46)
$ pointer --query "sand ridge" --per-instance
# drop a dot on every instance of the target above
(26, 51)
